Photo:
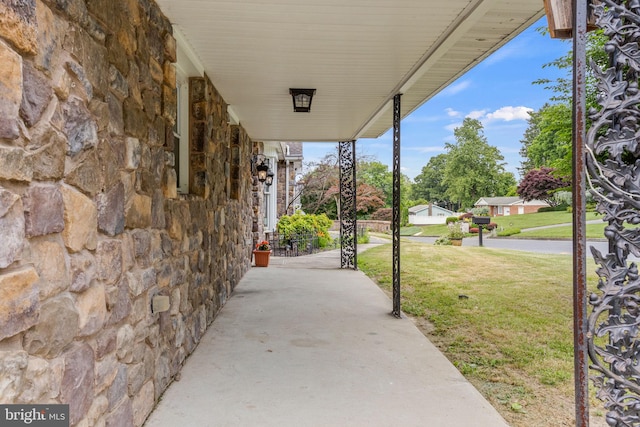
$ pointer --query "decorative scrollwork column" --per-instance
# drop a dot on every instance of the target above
(348, 223)
(613, 163)
(395, 218)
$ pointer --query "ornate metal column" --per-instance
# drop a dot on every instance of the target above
(613, 163)
(395, 219)
(348, 223)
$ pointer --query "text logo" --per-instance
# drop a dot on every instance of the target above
(34, 415)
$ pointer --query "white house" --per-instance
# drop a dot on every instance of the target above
(428, 214)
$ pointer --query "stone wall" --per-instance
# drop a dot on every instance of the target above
(92, 226)
(257, 193)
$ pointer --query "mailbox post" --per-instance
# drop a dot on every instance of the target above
(480, 221)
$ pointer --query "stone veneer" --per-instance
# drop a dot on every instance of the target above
(92, 226)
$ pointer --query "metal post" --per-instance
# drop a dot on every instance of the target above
(580, 329)
(395, 220)
(348, 224)
(480, 235)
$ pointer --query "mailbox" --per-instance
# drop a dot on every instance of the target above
(481, 220)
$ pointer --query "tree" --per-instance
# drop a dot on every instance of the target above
(473, 168)
(541, 184)
(379, 176)
(563, 86)
(428, 184)
(547, 140)
(374, 183)
(321, 177)
(368, 198)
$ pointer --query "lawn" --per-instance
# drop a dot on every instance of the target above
(520, 222)
(594, 231)
(504, 319)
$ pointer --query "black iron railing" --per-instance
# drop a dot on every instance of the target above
(294, 244)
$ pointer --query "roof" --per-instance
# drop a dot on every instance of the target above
(357, 54)
(507, 201)
(497, 201)
(419, 208)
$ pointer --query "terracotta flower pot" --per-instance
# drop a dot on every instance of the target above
(261, 258)
(456, 242)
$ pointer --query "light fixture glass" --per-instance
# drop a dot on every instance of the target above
(262, 170)
(302, 99)
(269, 180)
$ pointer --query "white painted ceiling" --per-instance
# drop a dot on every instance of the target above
(357, 54)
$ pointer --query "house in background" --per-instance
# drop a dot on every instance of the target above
(428, 214)
(505, 206)
(284, 160)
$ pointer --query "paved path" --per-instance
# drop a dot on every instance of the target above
(304, 343)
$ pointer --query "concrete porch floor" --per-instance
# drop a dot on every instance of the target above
(304, 343)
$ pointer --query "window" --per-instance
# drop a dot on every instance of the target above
(187, 66)
(181, 132)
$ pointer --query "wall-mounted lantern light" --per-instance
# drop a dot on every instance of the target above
(262, 169)
(302, 99)
(269, 180)
(560, 17)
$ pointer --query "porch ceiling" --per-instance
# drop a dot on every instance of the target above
(357, 54)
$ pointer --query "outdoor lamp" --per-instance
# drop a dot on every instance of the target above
(302, 99)
(262, 172)
(269, 179)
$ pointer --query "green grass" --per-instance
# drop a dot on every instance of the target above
(512, 336)
(410, 231)
(594, 231)
(435, 230)
(510, 224)
(537, 219)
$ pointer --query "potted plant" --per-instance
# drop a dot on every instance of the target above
(455, 234)
(261, 254)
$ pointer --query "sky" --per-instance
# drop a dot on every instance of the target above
(499, 92)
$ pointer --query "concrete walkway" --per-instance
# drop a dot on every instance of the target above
(304, 343)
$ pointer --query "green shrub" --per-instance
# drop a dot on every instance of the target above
(509, 232)
(481, 211)
(306, 224)
(451, 219)
(558, 208)
(363, 238)
(442, 240)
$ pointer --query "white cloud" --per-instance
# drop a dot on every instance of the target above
(456, 88)
(510, 113)
(477, 114)
(452, 113)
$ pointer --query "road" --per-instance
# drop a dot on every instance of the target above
(542, 246)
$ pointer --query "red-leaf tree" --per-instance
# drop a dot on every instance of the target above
(541, 184)
(368, 198)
